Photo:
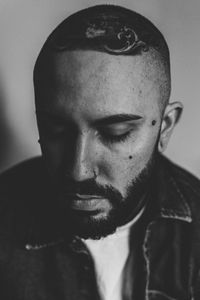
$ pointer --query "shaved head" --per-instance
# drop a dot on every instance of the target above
(114, 30)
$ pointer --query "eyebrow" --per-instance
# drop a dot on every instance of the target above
(114, 119)
(105, 121)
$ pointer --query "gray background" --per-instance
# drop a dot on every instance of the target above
(24, 25)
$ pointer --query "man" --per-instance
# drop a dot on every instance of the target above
(102, 214)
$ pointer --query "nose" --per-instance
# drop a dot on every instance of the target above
(82, 165)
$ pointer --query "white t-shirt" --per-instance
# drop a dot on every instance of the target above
(110, 255)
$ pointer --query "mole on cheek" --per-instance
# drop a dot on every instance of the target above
(153, 123)
(130, 157)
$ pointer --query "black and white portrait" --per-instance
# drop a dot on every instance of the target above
(100, 150)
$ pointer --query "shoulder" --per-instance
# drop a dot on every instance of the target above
(20, 184)
(17, 177)
(184, 178)
(23, 182)
(186, 183)
(181, 174)
(22, 188)
(28, 210)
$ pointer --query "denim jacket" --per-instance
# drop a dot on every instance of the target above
(37, 262)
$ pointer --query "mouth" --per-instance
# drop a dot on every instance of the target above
(87, 202)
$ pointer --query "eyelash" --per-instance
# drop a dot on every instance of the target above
(111, 139)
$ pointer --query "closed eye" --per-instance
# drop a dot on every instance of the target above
(117, 132)
(115, 138)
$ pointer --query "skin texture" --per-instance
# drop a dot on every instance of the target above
(80, 89)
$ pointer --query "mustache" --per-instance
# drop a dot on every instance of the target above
(91, 187)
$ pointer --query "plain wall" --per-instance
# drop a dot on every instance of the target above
(25, 24)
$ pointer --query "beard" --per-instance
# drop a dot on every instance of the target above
(95, 224)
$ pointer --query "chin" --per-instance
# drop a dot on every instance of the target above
(93, 225)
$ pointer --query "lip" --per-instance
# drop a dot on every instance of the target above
(87, 202)
(83, 196)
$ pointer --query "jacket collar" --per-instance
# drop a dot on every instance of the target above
(172, 202)
(166, 277)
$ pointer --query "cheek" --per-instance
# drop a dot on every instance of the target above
(122, 166)
(119, 171)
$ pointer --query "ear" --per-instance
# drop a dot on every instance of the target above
(171, 117)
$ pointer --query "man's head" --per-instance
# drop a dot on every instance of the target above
(102, 85)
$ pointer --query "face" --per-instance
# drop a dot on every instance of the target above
(99, 122)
